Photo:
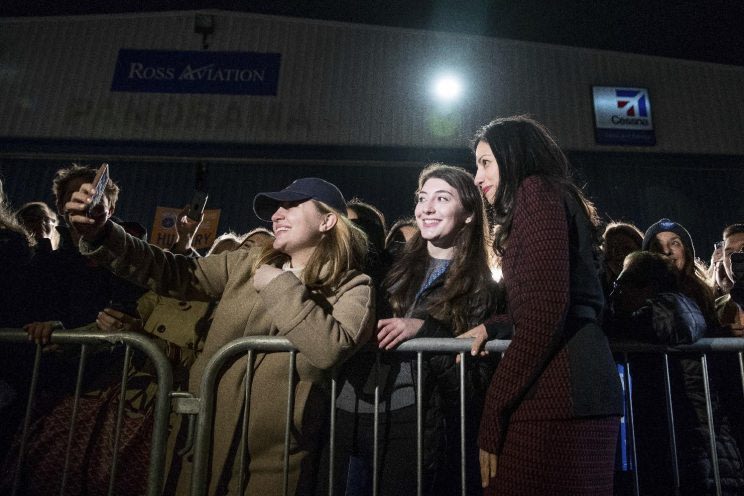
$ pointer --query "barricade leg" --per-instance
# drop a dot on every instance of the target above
(711, 426)
(670, 423)
(27, 420)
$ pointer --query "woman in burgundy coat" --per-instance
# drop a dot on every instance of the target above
(551, 416)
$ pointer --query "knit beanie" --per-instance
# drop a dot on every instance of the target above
(666, 225)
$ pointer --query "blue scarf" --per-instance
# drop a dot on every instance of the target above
(438, 272)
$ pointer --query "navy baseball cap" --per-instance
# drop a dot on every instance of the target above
(306, 188)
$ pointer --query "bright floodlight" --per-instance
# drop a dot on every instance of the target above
(448, 88)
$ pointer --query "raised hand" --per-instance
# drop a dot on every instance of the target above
(89, 223)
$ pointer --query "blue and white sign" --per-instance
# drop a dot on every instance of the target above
(224, 73)
(622, 116)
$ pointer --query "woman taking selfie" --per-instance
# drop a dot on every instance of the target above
(551, 415)
(306, 287)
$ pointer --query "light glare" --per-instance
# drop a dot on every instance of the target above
(448, 88)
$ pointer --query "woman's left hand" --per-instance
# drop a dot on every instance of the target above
(264, 275)
(488, 464)
(392, 332)
(111, 320)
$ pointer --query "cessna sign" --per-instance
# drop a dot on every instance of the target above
(622, 116)
(226, 73)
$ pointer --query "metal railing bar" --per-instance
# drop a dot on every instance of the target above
(419, 423)
(631, 426)
(332, 437)
(246, 417)
(376, 428)
(84, 335)
(73, 418)
(463, 467)
(119, 417)
(207, 392)
(27, 419)
(670, 422)
(288, 425)
(711, 425)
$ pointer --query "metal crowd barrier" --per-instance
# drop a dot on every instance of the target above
(85, 338)
(204, 404)
(437, 346)
(701, 347)
(252, 345)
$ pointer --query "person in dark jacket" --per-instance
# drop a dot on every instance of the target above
(551, 415)
(618, 241)
(649, 306)
(672, 240)
(440, 286)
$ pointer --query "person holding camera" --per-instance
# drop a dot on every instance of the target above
(307, 286)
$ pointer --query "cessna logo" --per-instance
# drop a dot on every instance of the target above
(634, 107)
(623, 116)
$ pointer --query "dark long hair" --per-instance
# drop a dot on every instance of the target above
(522, 148)
(694, 283)
(468, 284)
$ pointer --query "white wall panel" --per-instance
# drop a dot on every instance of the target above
(345, 84)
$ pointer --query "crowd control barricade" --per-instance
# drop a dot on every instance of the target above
(87, 338)
(419, 347)
(701, 348)
(204, 404)
(253, 345)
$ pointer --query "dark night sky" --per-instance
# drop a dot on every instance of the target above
(707, 30)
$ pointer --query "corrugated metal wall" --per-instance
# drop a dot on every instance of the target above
(703, 193)
(344, 84)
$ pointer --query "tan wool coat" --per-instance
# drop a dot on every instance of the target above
(326, 329)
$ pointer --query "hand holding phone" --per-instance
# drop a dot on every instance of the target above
(85, 212)
(99, 187)
(196, 207)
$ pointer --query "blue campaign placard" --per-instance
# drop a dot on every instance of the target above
(223, 73)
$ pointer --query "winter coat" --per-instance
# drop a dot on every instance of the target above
(558, 365)
(440, 393)
(326, 328)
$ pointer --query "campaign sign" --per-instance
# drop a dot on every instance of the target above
(622, 116)
(164, 232)
(223, 73)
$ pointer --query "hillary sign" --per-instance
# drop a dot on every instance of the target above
(223, 73)
(622, 116)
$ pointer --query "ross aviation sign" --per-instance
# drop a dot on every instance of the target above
(622, 116)
(224, 73)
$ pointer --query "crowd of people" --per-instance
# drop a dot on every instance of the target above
(330, 276)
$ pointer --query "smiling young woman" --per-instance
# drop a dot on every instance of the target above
(440, 286)
(307, 287)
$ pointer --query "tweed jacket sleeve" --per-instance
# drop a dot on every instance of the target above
(326, 329)
(177, 276)
(536, 273)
